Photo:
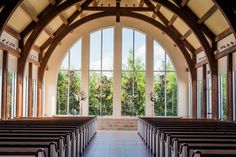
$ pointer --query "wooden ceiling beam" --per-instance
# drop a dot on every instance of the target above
(49, 32)
(52, 2)
(194, 18)
(139, 9)
(197, 51)
(186, 35)
(36, 48)
(224, 34)
(141, 3)
(184, 3)
(6, 12)
(211, 11)
(29, 12)
(61, 28)
(12, 32)
(63, 19)
(95, 3)
(156, 10)
(118, 10)
(172, 20)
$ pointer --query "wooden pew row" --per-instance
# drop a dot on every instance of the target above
(154, 135)
(38, 153)
(85, 129)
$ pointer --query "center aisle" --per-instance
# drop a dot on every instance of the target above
(117, 144)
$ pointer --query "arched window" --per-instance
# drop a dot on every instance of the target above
(165, 84)
(101, 72)
(68, 82)
(133, 72)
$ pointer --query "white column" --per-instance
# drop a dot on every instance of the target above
(149, 75)
(117, 70)
(85, 73)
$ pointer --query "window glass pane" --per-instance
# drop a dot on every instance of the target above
(127, 49)
(11, 94)
(94, 103)
(223, 97)
(140, 51)
(171, 94)
(65, 63)
(199, 98)
(159, 88)
(34, 94)
(209, 98)
(169, 65)
(95, 51)
(75, 56)
(62, 92)
(107, 49)
(73, 92)
(133, 93)
(159, 57)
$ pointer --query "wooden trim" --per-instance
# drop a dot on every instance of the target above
(12, 32)
(199, 50)
(225, 52)
(186, 35)
(172, 20)
(156, 10)
(9, 50)
(211, 11)
(34, 62)
(200, 64)
(29, 12)
(194, 96)
(215, 106)
(224, 34)
(230, 87)
(30, 91)
(204, 92)
(4, 113)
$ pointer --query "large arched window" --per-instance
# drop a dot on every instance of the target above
(165, 84)
(101, 72)
(68, 82)
(133, 72)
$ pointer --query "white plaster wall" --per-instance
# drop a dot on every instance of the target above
(173, 52)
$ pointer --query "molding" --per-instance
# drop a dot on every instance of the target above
(9, 50)
(200, 64)
(12, 32)
(224, 34)
(225, 52)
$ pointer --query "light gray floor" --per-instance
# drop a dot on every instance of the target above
(117, 144)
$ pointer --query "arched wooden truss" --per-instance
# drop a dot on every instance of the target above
(179, 8)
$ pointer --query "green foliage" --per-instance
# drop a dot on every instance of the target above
(100, 94)
(133, 87)
(62, 92)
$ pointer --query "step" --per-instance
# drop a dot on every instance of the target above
(117, 123)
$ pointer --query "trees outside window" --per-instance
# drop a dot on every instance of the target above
(223, 96)
(133, 73)
(68, 82)
(101, 72)
(165, 84)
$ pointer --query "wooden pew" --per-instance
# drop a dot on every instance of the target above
(83, 127)
(38, 153)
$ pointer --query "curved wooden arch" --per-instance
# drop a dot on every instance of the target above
(149, 20)
(7, 11)
(45, 19)
(76, 24)
(194, 26)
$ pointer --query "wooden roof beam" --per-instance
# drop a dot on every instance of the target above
(63, 19)
(118, 10)
(184, 3)
(141, 3)
(95, 3)
(29, 12)
(186, 35)
(172, 20)
(79, 9)
(49, 33)
(223, 34)
(211, 11)
(12, 32)
(36, 48)
(53, 2)
(156, 10)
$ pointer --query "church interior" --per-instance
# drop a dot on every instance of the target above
(117, 78)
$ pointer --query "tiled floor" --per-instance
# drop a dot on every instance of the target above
(117, 144)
